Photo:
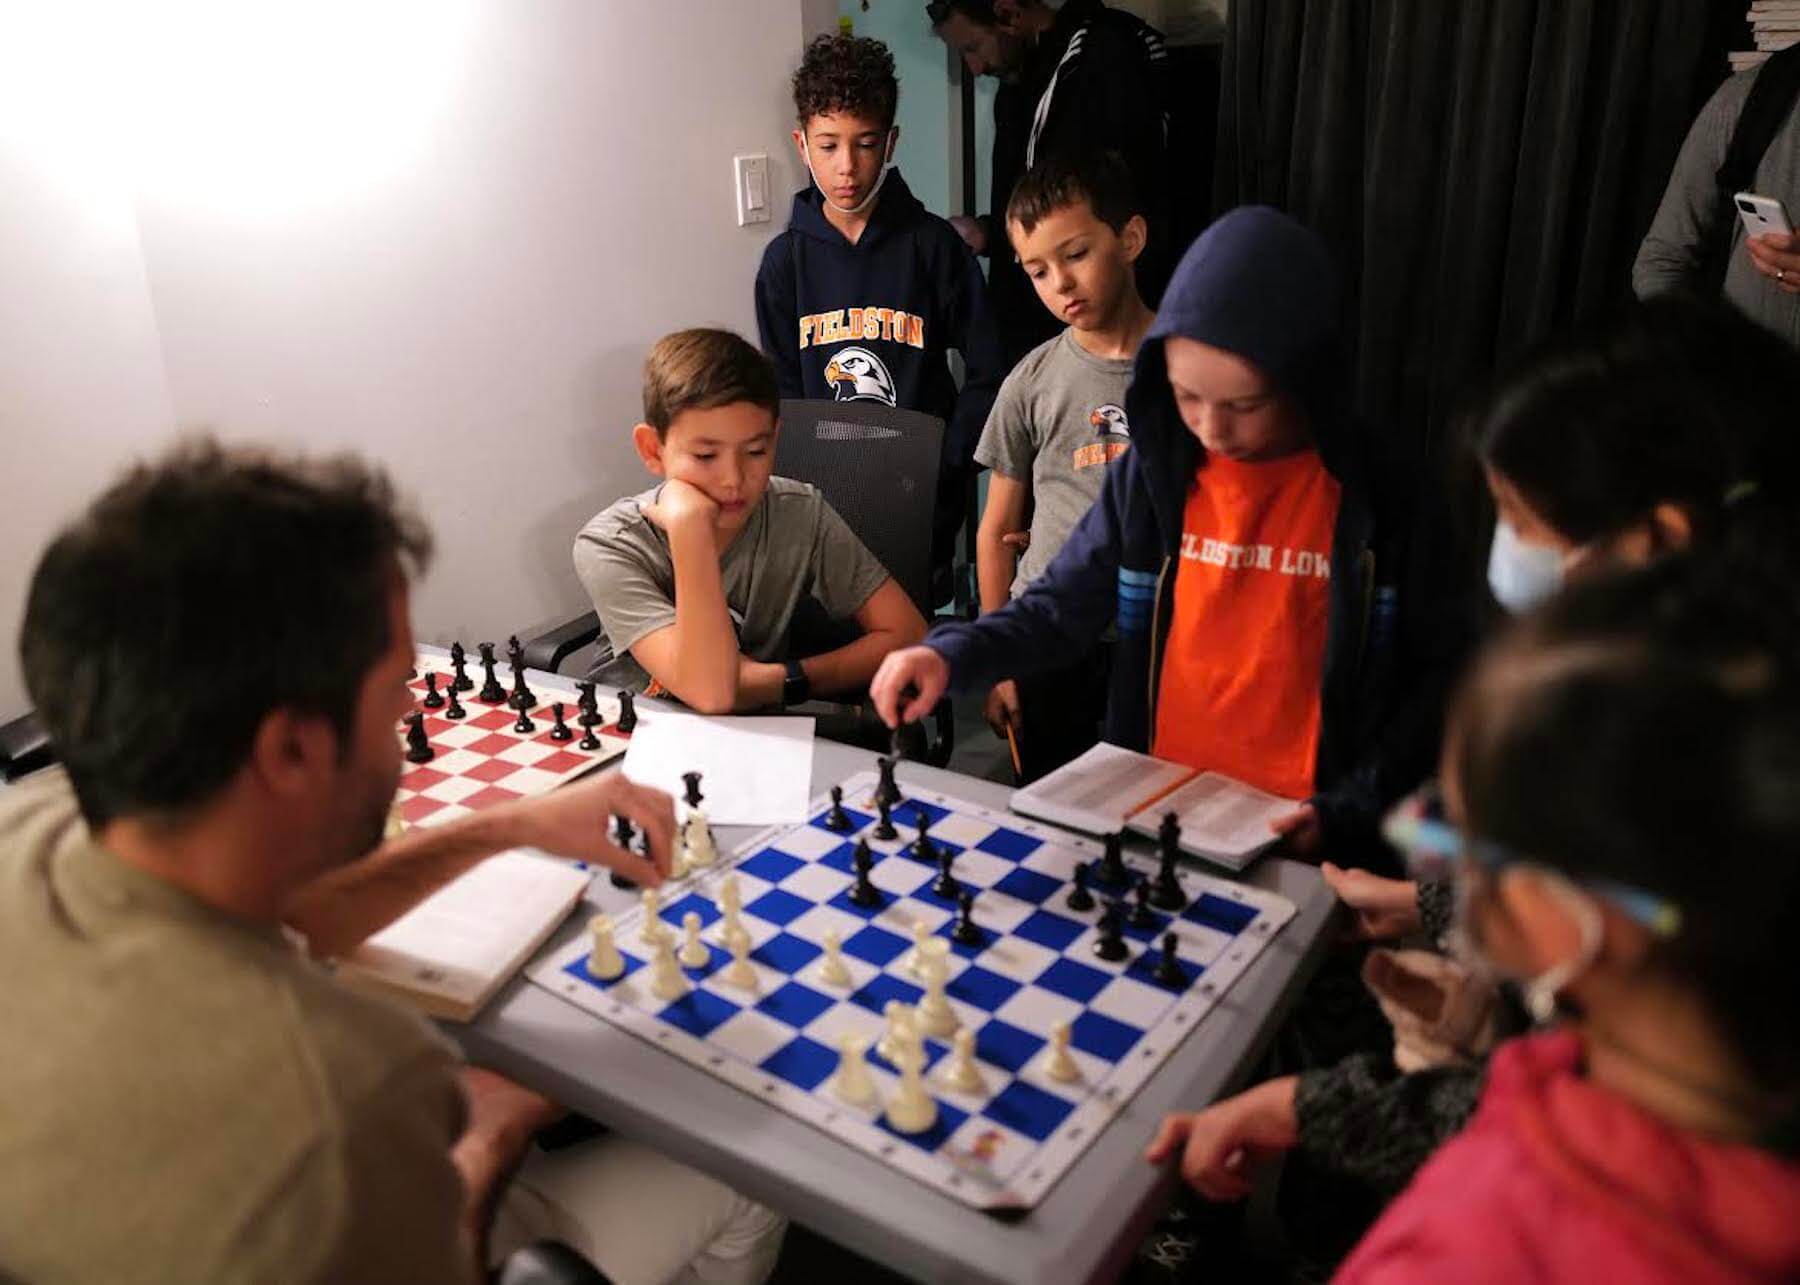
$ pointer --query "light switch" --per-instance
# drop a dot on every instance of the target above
(752, 178)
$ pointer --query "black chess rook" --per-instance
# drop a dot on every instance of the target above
(1079, 896)
(1169, 971)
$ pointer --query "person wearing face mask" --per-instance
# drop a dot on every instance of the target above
(866, 292)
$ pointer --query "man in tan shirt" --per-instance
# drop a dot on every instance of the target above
(219, 649)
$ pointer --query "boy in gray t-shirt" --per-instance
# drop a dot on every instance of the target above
(1057, 423)
(696, 581)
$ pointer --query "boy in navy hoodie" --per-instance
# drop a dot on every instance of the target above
(1274, 596)
(865, 293)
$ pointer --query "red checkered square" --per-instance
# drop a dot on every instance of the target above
(489, 797)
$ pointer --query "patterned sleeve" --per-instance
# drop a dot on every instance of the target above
(1364, 1119)
(1437, 908)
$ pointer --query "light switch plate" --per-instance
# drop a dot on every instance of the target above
(751, 176)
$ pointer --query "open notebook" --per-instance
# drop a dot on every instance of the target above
(450, 953)
(1109, 789)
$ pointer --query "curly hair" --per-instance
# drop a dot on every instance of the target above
(846, 74)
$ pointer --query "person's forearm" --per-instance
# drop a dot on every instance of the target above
(759, 684)
(849, 668)
(995, 565)
(339, 911)
(705, 670)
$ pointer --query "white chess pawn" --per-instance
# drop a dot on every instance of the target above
(912, 1110)
(700, 849)
(604, 961)
(934, 1012)
(960, 1072)
(731, 894)
(852, 1082)
(899, 1030)
(1058, 1065)
(832, 969)
(651, 930)
(666, 981)
(739, 972)
(915, 959)
(694, 953)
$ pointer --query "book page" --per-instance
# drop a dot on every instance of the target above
(1219, 815)
(1100, 789)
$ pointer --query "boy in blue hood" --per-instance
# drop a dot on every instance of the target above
(865, 293)
(1269, 590)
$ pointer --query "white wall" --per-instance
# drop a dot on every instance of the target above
(443, 232)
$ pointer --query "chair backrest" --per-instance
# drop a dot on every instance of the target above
(878, 467)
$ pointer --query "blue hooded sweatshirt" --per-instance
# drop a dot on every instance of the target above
(1260, 285)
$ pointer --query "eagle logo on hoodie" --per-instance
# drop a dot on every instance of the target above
(857, 375)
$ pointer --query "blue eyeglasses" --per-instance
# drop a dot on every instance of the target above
(1436, 847)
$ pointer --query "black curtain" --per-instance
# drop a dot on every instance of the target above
(1483, 169)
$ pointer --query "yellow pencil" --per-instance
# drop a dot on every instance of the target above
(1012, 743)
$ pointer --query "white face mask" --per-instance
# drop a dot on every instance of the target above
(1539, 992)
(887, 163)
(1522, 575)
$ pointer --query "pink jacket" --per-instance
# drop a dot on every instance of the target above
(1556, 1179)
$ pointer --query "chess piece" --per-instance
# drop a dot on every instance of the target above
(522, 698)
(588, 702)
(863, 892)
(1111, 942)
(960, 1072)
(837, 819)
(453, 706)
(491, 692)
(605, 963)
(418, 748)
(694, 953)
(966, 932)
(912, 1109)
(627, 714)
(733, 931)
(935, 1016)
(887, 788)
(432, 699)
(1058, 1065)
(1141, 914)
(697, 835)
(693, 797)
(915, 958)
(1111, 871)
(852, 1081)
(739, 972)
(559, 730)
(898, 1032)
(731, 895)
(459, 663)
(832, 970)
(588, 740)
(945, 884)
(924, 849)
(666, 981)
(1079, 896)
(885, 828)
(1167, 893)
(1169, 971)
(652, 929)
(523, 724)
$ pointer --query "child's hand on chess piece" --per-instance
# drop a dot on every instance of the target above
(680, 504)
(1383, 909)
(1300, 831)
(1221, 1146)
(907, 686)
(1002, 709)
(573, 822)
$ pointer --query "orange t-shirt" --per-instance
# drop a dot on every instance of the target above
(1239, 688)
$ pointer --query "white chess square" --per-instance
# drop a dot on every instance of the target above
(446, 814)
(808, 842)
(846, 1019)
(1054, 860)
(529, 781)
(997, 912)
(816, 883)
(981, 869)
(862, 972)
(750, 1035)
(767, 981)
(900, 875)
(524, 753)
(900, 914)
(815, 923)
(453, 789)
(1200, 944)
(456, 761)
(1093, 1071)
(1017, 958)
(457, 735)
(1036, 1010)
(1132, 1002)
(963, 831)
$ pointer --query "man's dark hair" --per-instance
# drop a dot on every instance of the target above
(1100, 179)
(982, 11)
(846, 74)
(196, 595)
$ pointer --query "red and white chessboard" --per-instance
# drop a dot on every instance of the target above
(481, 760)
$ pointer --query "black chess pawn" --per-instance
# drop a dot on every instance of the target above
(453, 706)
(887, 788)
(1079, 896)
(838, 819)
(522, 698)
(491, 692)
(864, 893)
(418, 748)
(1111, 943)
(627, 714)
(559, 730)
(622, 835)
(945, 885)
(1141, 914)
(1167, 893)
(966, 932)
(523, 724)
(1111, 871)
(588, 740)
(924, 849)
(692, 781)
(432, 699)
(1169, 971)
(588, 704)
(459, 663)
(884, 829)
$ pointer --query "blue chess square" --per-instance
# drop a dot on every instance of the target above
(786, 953)
(1073, 980)
(578, 970)
(1010, 844)
(949, 1120)
(702, 906)
(882, 988)
(985, 990)
(938, 846)
(1006, 1046)
(778, 907)
(842, 902)
(1218, 913)
(906, 813)
(801, 1062)
(795, 1004)
(948, 930)
(770, 865)
(1143, 969)
(842, 857)
(1158, 926)
(1028, 885)
(716, 958)
(1100, 1035)
(925, 893)
(876, 945)
(857, 820)
(1051, 930)
(1025, 1108)
(698, 1013)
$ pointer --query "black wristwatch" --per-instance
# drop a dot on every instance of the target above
(796, 687)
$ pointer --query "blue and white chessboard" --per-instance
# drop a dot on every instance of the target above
(1006, 1146)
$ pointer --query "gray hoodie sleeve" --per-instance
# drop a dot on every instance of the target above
(1692, 220)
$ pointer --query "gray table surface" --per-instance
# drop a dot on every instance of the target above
(1084, 1229)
